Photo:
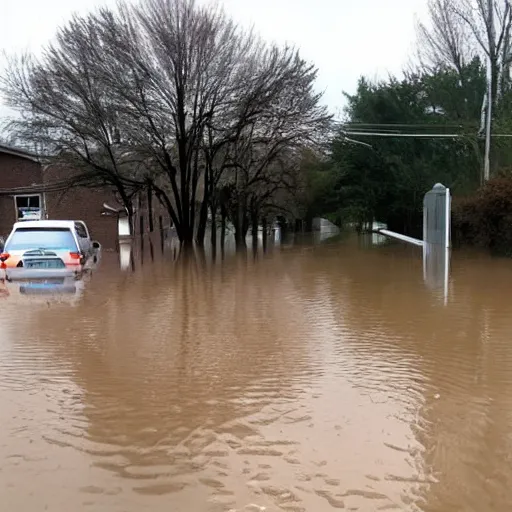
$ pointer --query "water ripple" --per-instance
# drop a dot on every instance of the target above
(308, 380)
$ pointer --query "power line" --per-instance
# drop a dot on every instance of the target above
(49, 187)
(418, 135)
(410, 125)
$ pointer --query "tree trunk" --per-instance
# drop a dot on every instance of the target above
(241, 225)
(223, 215)
(254, 228)
(213, 232)
(161, 227)
(283, 227)
(203, 220)
(150, 210)
(240, 237)
(131, 221)
(187, 236)
(141, 231)
(203, 213)
(308, 220)
(264, 228)
(241, 228)
(176, 219)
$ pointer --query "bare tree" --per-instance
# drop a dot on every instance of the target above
(170, 97)
(65, 111)
(490, 22)
(280, 113)
(458, 30)
(445, 41)
(174, 63)
(461, 29)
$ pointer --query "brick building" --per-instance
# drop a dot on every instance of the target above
(81, 204)
(22, 181)
(18, 170)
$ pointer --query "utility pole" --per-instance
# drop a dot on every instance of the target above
(490, 76)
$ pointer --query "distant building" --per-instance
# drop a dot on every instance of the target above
(18, 170)
(22, 181)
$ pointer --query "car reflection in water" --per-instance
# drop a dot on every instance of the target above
(49, 287)
(4, 291)
(45, 290)
(34, 285)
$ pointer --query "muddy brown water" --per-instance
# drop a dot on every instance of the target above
(314, 378)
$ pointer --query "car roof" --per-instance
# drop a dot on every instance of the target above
(45, 224)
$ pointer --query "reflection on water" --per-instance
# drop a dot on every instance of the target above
(312, 378)
(26, 294)
(125, 255)
(436, 268)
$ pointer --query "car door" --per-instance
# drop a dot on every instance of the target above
(84, 239)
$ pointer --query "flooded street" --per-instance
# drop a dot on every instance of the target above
(314, 378)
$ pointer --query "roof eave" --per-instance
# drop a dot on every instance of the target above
(20, 153)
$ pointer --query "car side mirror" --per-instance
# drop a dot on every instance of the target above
(96, 245)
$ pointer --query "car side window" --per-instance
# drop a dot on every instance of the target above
(80, 230)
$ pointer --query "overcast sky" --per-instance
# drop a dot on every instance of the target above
(344, 38)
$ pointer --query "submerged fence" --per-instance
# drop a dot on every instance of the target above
(436, 238)
(436, 219)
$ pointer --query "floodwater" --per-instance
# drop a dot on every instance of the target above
(312, 378)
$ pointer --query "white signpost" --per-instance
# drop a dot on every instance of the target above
(436, 237)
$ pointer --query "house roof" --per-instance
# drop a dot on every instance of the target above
(22, 153)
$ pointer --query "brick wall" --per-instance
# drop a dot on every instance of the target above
(75, 204)
(81, 204)
(15, 171)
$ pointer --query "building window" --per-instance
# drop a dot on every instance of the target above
(28, 207)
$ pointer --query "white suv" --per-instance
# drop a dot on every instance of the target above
(47, 246)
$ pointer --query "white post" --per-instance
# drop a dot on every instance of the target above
(446, 273)
(425, 251)
(448, 218)
(487, 163)
(447, 245)
(425, 220)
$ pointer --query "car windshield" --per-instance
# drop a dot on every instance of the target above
(41, 238)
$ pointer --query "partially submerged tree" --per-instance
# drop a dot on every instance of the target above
(170, 97)
(66, 110)
(288, 118)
